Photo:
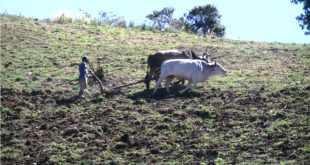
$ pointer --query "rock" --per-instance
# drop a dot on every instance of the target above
(162, 126)
(61, 114)
(155, 151)
(43, 126)
(43, 159)
(120, 146)
(70, 131)
(212, 153)
(27, 143)
(125, 138)
(211, 163)
(137, 122)
(200, 153)
(203, 114)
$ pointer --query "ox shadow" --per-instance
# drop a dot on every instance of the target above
(162, 94)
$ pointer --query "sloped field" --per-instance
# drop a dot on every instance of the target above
(257, 114)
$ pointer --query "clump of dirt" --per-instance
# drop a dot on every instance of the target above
(71, 131)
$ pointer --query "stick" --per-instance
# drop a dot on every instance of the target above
(91, 71)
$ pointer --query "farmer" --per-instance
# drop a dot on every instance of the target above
(83, 70)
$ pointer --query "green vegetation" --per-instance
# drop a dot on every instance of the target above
(257, 114)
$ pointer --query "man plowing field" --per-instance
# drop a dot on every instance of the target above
(83, 76)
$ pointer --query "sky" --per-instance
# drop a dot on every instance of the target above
(250, 20)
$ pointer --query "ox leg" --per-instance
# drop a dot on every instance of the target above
(179, 81)
(156, 76)
(182, 81)
(187, 87)
(193, 85)
(147, 80)
(158, 84)
(152, 74)
(168, 82)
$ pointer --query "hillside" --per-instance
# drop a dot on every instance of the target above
(257, 114)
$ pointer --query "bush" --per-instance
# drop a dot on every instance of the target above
(120, 23)
(18, 79)
(131, 24)
(49, 79)
(143, 26)
(62, 19)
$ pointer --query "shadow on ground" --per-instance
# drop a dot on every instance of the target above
(162, 94)
(66, 101)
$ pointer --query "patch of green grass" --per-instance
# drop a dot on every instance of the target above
(10, 155)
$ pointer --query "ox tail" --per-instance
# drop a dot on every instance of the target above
(147, 77)
(148, 67)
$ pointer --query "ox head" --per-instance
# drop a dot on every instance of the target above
(217, 69)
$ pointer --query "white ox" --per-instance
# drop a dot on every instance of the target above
(195, 71)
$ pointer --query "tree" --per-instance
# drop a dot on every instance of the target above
(177, 24)
(162, 17)
(206, 18)
(304, 19)
(105, 18)
(218, 30)
(110, 19)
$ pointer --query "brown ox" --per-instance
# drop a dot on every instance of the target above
(154, 62)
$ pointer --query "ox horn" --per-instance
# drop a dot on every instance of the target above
(205, 54)
(213, 62)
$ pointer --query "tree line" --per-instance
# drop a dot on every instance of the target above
(201, 19)
(204, 19)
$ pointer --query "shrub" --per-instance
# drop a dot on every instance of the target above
(18, 79)
(62, 19)
(49, 79)
(120, 23)
(131, 24)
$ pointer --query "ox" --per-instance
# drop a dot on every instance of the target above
(154, 62)
(195, 71)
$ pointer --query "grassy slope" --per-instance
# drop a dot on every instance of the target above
(258, 114)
